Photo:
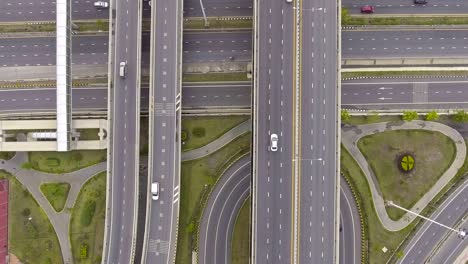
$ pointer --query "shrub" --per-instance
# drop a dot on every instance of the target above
(345, 116)
(461, 116)
(53, 162)
(190, 227)
(26, 212)
(88, 213)
(198, 131)
(409, 115)
(26, 166)
(77, 156)
(432, 116)
(183, 135)
(84, 251)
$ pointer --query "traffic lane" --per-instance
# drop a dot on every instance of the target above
(39, 10)
(350, 227)
(192, 8)
(223, 204)
(404, 43)
(408, 6)
(427, 237)
(220, 96)
(221, 55)
(42, 50)
(451, 248)
(404, 92)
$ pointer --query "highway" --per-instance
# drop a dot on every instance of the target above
(124, 146)
(451, 93)
(221, 46)
(404, 43)
(216, 8)
(272, 171)
(451, 248)
(162, 217)
(428, 235)
(221, 211)
(318, 141)
(350, 227)
(446, 7)
(40, 10)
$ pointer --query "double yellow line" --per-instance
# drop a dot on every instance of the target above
(296, 160)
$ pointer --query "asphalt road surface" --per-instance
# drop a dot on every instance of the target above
(404, 43)
(222, 208)
(318, 134)
(41, 10)
(451, 248)
(214, 8)
(272, 171)
(452, 93)
(350, 227)
(125, 109)
(447, 7)
(164, 126)
(427, 237)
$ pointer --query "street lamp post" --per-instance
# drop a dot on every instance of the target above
(461, 233)
(204, 15)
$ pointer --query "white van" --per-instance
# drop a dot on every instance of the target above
(155, 191)
(123, 69)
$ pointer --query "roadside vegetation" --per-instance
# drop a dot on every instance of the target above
(82, 82)
(31, 236)
(98, 25)
(56, 194)
(6, 155)
(346, 75)
(240, 245)
(197, 180)
(215, 77)
(199, 131)
(87, 221)
(63, 162)
(89, 134)
(361, 20)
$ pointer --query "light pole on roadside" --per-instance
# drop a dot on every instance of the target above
(461, 233)
(204, 15)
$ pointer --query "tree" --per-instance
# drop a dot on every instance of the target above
(410, 115)
(344, 16)
(461, 116)
(432, 116)
(345, 116)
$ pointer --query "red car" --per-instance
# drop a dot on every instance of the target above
(367, 9)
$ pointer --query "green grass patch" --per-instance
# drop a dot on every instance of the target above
(197, 179)
(56, 194)
(378, 236)
(345, 75)
(215, 77)
(202, 130)
(87, 221)
(89, 134)
(215, 23)
(31, 236)
(240, 246)
(144, 132)
(7, 155)
(62, 162)
(358, 20)
(371, 118)
(433, 153)
(83, 82)
(98, 25)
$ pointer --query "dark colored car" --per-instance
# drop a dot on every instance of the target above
(367, 9)
(420, 2)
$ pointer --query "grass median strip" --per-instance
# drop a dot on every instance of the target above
(215, 77)
(87, 221)
(197, 180)
(409, 74)
(240, 245)
(31, 236)
(96, 25)
(219, 23)
(199, 131)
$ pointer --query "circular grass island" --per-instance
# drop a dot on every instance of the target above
(392, 155)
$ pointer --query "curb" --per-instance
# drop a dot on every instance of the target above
(403, 77)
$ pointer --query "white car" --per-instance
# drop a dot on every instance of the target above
(288, 1)
(274, 142)
(123, 69)
(101, 4)
(155, 191)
